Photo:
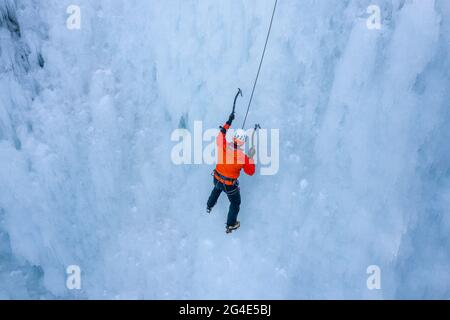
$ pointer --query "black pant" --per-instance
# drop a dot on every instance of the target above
(234, 195)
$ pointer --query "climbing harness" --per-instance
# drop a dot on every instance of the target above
(260, 63)
(224, 180)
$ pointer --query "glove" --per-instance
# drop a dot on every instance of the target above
(230, 119)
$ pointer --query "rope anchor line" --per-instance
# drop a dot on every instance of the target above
(260, 63)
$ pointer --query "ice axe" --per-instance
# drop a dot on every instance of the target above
(252, 149)
(239, 93)
(257, 126)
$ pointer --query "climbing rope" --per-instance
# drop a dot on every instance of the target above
(260, 64)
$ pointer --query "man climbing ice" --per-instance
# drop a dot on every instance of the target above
(231, 160)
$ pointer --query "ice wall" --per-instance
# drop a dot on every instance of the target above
(86, 176)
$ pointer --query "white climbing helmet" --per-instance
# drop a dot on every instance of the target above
(240, 137)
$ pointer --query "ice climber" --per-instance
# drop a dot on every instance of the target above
(231, 160)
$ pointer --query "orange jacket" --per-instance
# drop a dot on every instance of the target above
(230, 159)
